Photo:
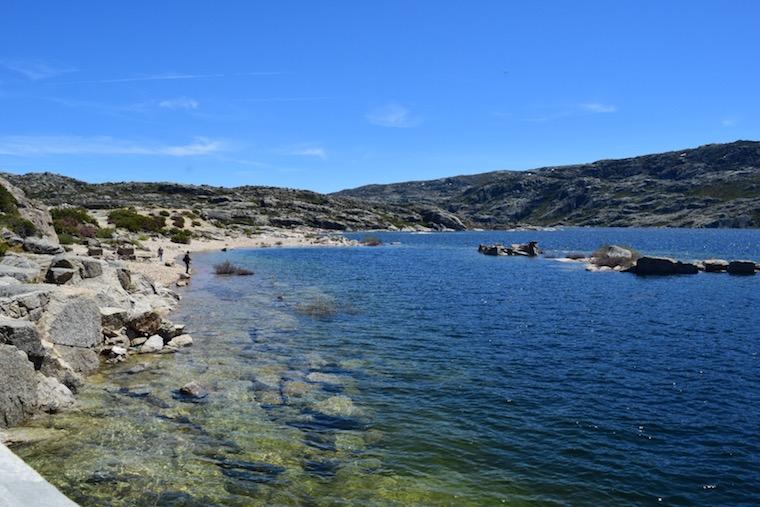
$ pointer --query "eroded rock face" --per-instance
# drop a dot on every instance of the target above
(18, 391)
(32, 211)
(23, 335)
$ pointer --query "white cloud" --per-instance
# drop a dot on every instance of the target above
(74, 145)
(598, 107)
(307, 151)
(728, 122)
(169, 77)
(393, 115)
(179, 103)
(35, 69)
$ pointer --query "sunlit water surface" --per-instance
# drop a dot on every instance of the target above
(445, 378)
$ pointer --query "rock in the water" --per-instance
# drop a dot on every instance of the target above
(193, 390)
(741, 267)
(42, 246)
(18, 386)
(52, 396)
(153, 344)
(715, 265)
(180, 341)
(23, 335)
(657, 266)
(612, 256)
(337, 406)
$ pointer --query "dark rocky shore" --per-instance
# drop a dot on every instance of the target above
(63, 316)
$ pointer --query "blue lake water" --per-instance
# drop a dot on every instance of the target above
(424, 373)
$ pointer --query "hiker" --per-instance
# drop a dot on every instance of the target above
(186, 260)
(161, 253)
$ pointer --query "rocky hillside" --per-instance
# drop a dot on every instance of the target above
(716, 185)
(247, 205)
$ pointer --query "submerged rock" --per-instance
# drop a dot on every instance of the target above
(184, 340)
(337, 406)
(193, 390)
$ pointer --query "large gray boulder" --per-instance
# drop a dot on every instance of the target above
(25, 275)
(79, 359)
(52, 396)
(18, 386)
(42, 246)
(24, 300)
(23, 335)
(73, 320)
(613, 256)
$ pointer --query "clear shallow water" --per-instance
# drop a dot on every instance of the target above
(446, 378)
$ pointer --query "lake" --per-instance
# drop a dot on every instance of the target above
(424, 373)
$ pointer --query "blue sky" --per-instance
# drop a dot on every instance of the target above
(334, 94)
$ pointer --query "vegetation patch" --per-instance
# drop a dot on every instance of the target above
(371, 241)
(228, 268)
(11, 219)
(131, 220)
(180, 236)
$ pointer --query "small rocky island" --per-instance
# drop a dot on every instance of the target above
(628, 260)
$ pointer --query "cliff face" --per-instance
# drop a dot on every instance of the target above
(711, 186)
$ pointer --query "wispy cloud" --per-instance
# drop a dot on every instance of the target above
(393, 115)
(598, 107)
(36, 69)
(74, 145)
(306, 150)
(169, 77)
(179, 103)
(728, 122)
(286, 99)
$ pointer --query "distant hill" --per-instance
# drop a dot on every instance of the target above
(246, 205)
(716, 185)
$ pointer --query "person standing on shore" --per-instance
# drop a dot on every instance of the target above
(186, 260)
(161, 253)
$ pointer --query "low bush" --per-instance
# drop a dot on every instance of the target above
(131, 220)
(8, 203)
(164, 213)
(180, 236)
(371, 241)
(105, 233)
(196, 223)
(3, 248)
(320, 307)
(18, 225)
(228, 268)
(65, 239)
(178, 221)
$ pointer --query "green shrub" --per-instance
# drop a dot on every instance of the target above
(190, 214)
(178, 221)
(196, 223)
(65, 239)
(105, 233)
(128, 218)
(180, 236)
(18, 225)
(164, 213)
(8, 203)
(3, 248)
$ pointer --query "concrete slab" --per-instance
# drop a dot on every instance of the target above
(21, 486)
